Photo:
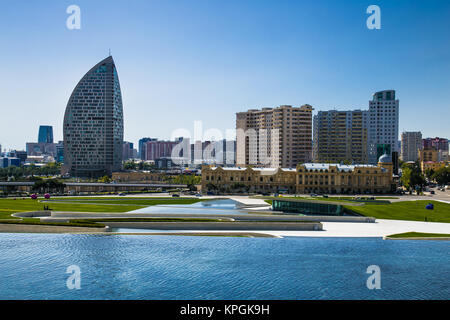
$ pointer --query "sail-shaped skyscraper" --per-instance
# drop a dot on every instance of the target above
(93, 123)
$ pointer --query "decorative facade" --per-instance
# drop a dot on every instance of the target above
(306, 178)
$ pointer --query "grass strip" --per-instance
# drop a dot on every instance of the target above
(32, 221)
(149, 220)
(419, 235)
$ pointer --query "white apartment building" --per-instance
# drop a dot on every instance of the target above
(383, 125)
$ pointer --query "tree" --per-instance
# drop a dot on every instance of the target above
(429, 174)
(412, 176)
(104, 179)
(130, 165)
(49, 185)
(442, 175)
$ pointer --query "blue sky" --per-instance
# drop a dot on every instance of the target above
(181, 61)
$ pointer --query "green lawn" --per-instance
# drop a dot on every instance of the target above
(9, 206)
(148, 220)
(405, 210)
(124, 201)
(419, 235)
(37, 221)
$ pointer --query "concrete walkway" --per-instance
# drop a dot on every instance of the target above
(382, 227)
(360, 230)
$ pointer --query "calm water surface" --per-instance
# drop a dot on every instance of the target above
(172, 267)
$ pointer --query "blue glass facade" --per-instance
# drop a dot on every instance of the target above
(45, 134)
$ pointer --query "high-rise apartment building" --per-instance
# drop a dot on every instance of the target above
(141, 152)
(93, 123)
(60, 152)
(127, 150)
(340, 137)
(220, 152)
(45, 134)
(382, 124)
(274, 137)
(440, 144)
(410, 146)
(158, 149)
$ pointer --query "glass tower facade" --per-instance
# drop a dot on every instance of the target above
(93, 123)
(45, 134)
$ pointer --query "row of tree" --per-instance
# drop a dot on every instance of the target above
(13, 173)
(441, 175)
(48, 185)
(133, 165)
(414, 178)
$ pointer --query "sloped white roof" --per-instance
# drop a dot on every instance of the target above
(340, 167)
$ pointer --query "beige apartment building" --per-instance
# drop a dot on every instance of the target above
(274, 137)
(340, 136)
(305, 178)
(431, 159)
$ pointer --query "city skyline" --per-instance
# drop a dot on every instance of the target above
(210, 71)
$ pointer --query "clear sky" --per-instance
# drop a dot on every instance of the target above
(181, 61)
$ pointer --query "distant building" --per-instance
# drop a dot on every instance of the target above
(274, 137)
(340, 136)
(432, 159)
(4, 162)
(158, 149)
(410, 146)
(431, 165)
(138, 177)
(20, 154)
(222, 152)
(93, 123)
(60, 152)
(141, 152)
(165, 163)
(45, 134)
(429, 154)
(435, 143)
(8, 162)
(382, 124)
(41, 149)
(127, 150)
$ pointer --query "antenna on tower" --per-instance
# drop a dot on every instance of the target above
(109, 52)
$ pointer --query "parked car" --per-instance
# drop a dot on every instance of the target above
(122, 194)
(314, 195)
(175, 195)
(432, 192)
(198, 195)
